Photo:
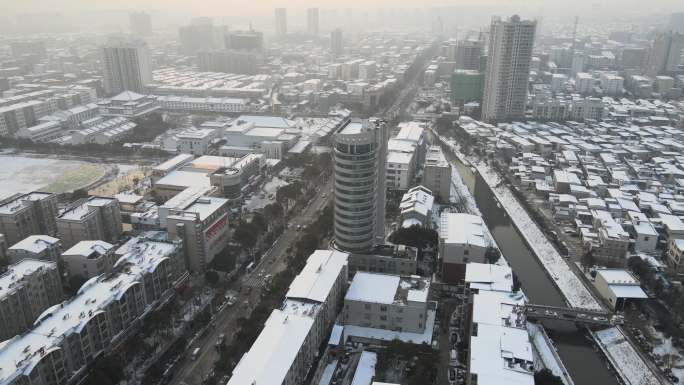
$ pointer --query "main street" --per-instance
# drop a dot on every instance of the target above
(273, 261)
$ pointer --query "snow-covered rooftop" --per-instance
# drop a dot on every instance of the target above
(35, 244)
(462, 228)
(387, 289)
(317, 278)
(12, 278)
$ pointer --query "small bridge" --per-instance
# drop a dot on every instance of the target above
(580, 315)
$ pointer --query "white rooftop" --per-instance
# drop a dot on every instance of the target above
(365, 369)
(87, 248)
(487, 276)
(387, 289)
(35, 243)
(15, 273)
(317, 278)
(462, 228)
(375, 288)
(274, 351)
(20, 354)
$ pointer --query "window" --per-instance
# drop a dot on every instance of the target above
(383, 318)
(466, 252)
(367, 306)
(383, 308)
(366, 315)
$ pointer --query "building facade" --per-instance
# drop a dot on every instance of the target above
(28, 214)
(359, 156)
(508, 69)
(27, 288)
(95, 218)
(127, 66)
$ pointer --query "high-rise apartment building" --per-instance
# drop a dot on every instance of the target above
(360, 148)
(508, 69)
(127, 66)
(280, 22)
(336, 42)
(28, 214)
(437, 174)
(467, 55)
(677, 22)
(666, 54)
(27, 288)
(95, 218)
(312, 21)
(141, 24)
(201, 35)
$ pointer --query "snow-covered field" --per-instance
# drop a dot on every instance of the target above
(624, 358)
(576, 294)
(20, 174)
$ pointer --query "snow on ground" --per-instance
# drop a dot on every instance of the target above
(576, 294)
(624, 358)
(262, 198)
(546, 352)
(665, 348)
(21, 174)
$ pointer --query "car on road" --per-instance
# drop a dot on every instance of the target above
(299, 227)
(232, 300)
(195, 354)
(219, 340)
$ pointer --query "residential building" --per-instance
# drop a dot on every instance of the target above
(107, 310)
(208, 104)
(21, 115)
(500, 349)
(286, 348)
(416, 207)
(461, 241)
(468, 55)
(27, 288)
(675, 254)
(127, 66)
(508, 69)
(666, 53)
(280, 22)
(336, 42)
(202, 224)
(359, 155)
(28, 214)
(437, 174)
(312, 21)
(94, 218)
(38, 247)
(618, 287)
(233, 61)
(88, 259)
(466, 86)
(387, 302)
(201, 35)
(584, 83)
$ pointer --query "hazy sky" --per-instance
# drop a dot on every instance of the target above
(233, 6)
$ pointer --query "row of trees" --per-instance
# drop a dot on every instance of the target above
(672, 296)
(251, 326)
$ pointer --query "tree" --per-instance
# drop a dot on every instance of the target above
(212, 277)
(75, 283)
(273, 211)
(245, 235)
(415, 236)
(546, 377)
(258, 222)
(492, 254)
(588, 260)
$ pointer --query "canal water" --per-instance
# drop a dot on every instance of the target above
(586, 365)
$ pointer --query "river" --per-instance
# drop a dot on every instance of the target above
(586, 365)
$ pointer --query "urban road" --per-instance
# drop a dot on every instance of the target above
(191, 371)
